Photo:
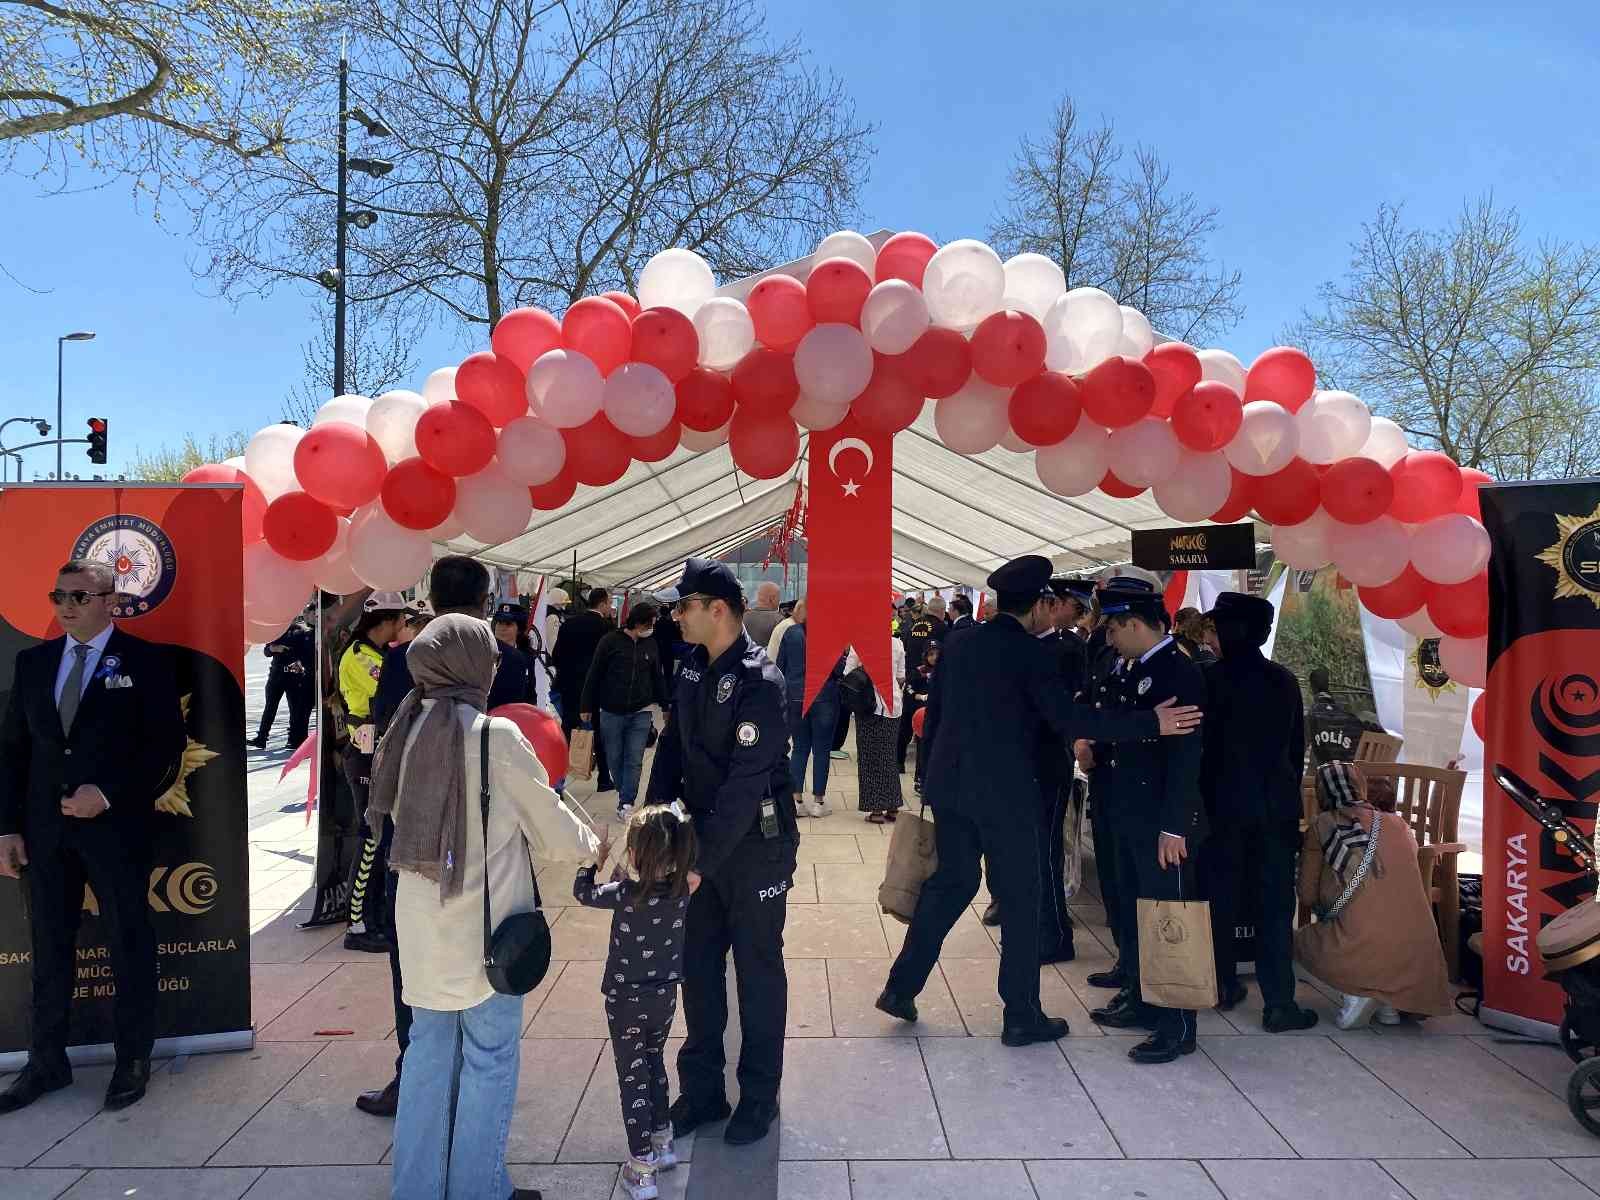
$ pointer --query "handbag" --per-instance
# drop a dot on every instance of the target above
(857, 691)
(516, 953)
(913, 856)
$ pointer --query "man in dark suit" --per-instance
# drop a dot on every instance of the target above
(961, 616)
(993, 698)
(92, 736)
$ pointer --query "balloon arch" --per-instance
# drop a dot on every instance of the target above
(1008, 355)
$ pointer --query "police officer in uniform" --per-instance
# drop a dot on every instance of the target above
(725, 754)
(293, 655)
(1160, 817)
(1334, 730)
(513, 678)
(1056, 779)
(993, 698)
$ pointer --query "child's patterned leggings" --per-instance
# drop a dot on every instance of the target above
(640, 1018)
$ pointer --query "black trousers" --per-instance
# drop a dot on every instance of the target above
(1055, 923)
(1248, 856)
(120, 876)
(639, 1019)
(741, 907)
(903, 739)
(1143, 878)
(297, 688)
(1015, 875)
(402, 1010)
(369, 871)
(1106, 854)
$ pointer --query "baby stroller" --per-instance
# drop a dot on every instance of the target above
(1570, 948)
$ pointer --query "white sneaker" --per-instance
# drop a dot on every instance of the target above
(1356, 1012)
(666, 1150)
(1387, 1015)
(639, 1179)
(624, 811)
(819, 806)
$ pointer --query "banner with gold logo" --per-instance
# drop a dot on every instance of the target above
(176, 553)
(1196, 548)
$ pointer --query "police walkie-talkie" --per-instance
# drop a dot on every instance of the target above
(769, 818)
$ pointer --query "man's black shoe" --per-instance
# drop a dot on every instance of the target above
(1160, 1048)
(367, 943)
(1286, 1018)
(1045, 1029)
(896, 1005)
(750, 1122)
(688, 1115)
(1058, 954)
(1114, 978)
(384, 1102)
(991, 915)
(1231, 995)
(1129, 1015)
(128, 1082)
(260, 743)
(29, 1085)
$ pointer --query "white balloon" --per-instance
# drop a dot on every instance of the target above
(1331, 426)
(565, 388)
(440, 386)
(392, 422)
(810, 413)
(1145, 453)
(847, 243)
(531, 451)
(269, 460)
(973, 420)
(1305, 546)
(386, 556)
(236, 462)
(1386, 443)
(702, 440)
(1082, 329)
(1266, 441)
(894, 316)
(964, 283)
(1449, 549)
(1076, 465)
(833, 363)
(1370, 555)
(1420, 625)
(726, 332)
(333, 572)
(1197, 487)
(447, 530)
(1010, 441)
(1222, 367)
(677, 279)
(274, 586)
(349, 408)
(639, 400)
(1033, 284)
(1466, 660)
(491, 506)
(261, 633)
(1138, 339)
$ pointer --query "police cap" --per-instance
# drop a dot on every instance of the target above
(1116, 601)
(1078, 589)
(511, 612)
(705, 577)
(1129, 583)
(1025, 576)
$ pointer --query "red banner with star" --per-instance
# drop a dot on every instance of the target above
(849, 543)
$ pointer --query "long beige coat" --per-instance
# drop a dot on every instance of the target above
(1384, 944)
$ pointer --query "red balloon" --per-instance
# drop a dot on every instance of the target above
(905, 256)
(835, 291)
(1008, 348)
(1400, 597)
(1427, 484)
(1480, 721)
(598, 452)
(1467, 503)
(764, 446)
(657, 446)
(1046, 408)
(1206, 417)
(705, 399)
(543, 733)
(1283, 375)
(599, 329)
(523, 334)
(255, 503)
(1356, 491)
(625, 302)
(1118, 392)
(1112, 486)
(666, 339)
(494, 386)
(889, 403)
(918, 720)
(1289, 496)
(299, 527)
(780, 311)
(1241, 498)
(547, 497)
(764, 381)
(1460, 609)
(1176, 367)
(937, 364)
(416, 496)
(340, 465)
(455, 438)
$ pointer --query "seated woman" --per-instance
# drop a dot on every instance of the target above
(1374, 938)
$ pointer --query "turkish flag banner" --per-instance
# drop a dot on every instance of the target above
(849, 543)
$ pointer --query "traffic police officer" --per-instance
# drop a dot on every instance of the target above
(293, 655)
(993, 698)
(1160, 819)
(513, 678)
(725, 754)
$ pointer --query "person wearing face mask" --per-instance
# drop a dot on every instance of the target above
(1254, 741)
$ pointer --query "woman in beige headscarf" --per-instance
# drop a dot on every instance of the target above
(459, 1083)
(1374, 938)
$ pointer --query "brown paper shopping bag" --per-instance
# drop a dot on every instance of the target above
(580, 754)
(1177, 968)
(912, 858)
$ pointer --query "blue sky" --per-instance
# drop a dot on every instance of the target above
(1295, 120)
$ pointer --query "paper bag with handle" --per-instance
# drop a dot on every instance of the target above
(580, 753)
(912, 858)
(1176, 964)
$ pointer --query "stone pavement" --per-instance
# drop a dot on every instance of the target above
(872, 1109)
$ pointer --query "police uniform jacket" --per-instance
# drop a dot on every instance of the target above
(1157, 781)
(299, 648)
(511, 678)
(1055, 754)
(725, 749)
(1334, 730)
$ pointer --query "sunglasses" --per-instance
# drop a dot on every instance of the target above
(80, 598)
(681, 604)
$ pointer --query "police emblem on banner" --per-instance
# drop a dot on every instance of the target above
(1576, 557)
(139, 553)
(724, 689)
(1431, 674)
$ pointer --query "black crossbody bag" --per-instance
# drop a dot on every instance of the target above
(516, 953)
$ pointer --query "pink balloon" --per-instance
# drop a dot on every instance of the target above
(341, 465)
(334, 574)
(524, 334)
(384, 555)
(1466, 660)
(274, 587)
(638, 399)
(1449, 549)
(531, 451)
(1198, 487)
(1370, 555)
(1284, 375)
(1076, 465)
(1144, 453)
(492, 507)
(600, 331)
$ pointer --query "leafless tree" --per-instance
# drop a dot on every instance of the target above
(1118, 225)
(380, 354)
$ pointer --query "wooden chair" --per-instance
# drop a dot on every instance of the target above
(1378, 747)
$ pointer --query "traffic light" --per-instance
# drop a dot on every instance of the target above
(97, 439)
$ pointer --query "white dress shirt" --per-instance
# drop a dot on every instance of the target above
(91, 660)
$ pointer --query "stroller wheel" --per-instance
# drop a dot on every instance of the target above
(1578, 1050)
(1583, 1095)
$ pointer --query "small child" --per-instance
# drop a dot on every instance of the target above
(643, 968)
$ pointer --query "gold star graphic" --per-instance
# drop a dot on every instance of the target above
(195, 756)
(1563, 561)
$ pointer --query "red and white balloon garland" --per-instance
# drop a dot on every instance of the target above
(1008, 355)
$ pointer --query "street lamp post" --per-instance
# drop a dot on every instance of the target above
(362, 219)
(61, 342)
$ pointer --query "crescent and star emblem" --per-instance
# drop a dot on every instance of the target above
(851, 487)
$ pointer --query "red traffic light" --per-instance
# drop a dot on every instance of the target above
(96, 425)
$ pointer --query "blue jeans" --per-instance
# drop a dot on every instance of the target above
(624, 735)
(812, 733)
(457, 1094)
